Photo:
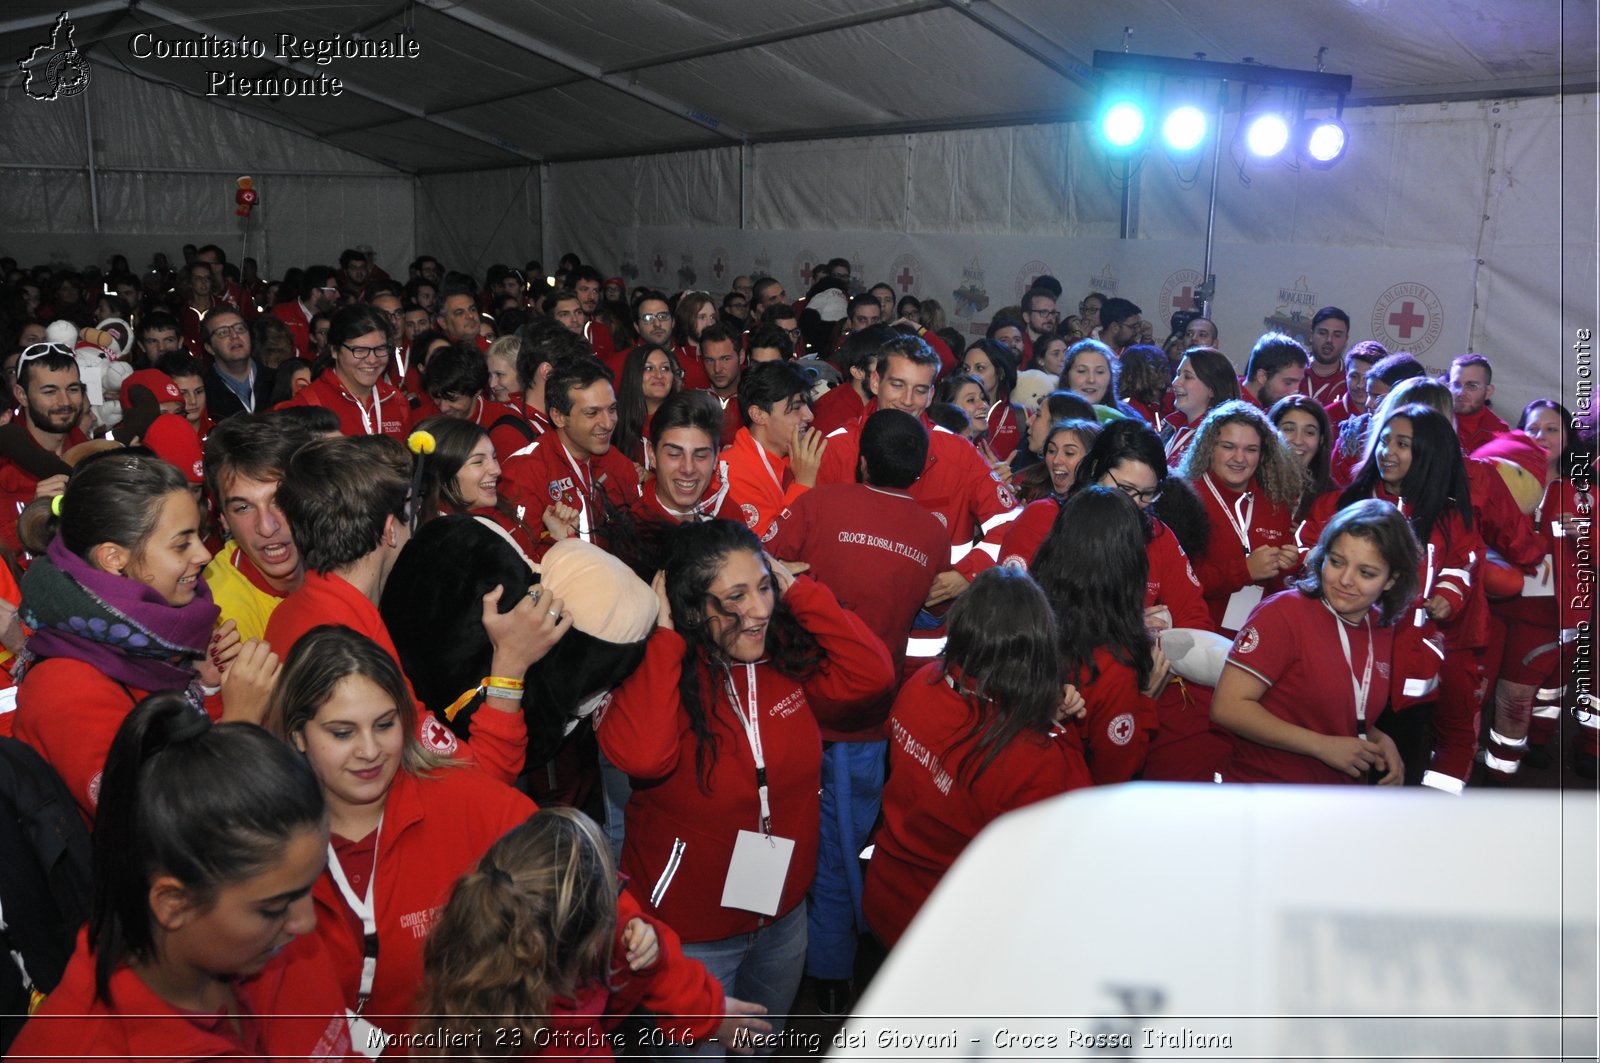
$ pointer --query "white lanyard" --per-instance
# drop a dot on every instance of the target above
(1240, 520)
(400, 352)
(377, 408)
(704, 509)
(752, 730)
(1363, 688)
(586, 491)
(1178, 437)
(367, 912)
(777, 481)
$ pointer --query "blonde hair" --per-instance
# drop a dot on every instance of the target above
(535, 921)
(1280, 477)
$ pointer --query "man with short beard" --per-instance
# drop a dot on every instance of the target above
(52, 397)
(588, 283)
(236, 383)
(1325, 376)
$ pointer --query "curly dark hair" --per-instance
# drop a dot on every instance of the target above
(698, 552)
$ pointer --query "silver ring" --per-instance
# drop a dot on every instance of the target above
(555, 615)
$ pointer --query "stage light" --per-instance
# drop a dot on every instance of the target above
(1266, 135)
(1122, 125)
(1321, 141)
(1184, 128)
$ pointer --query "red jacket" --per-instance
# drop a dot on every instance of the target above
(956, 486)
(645, 731)
(70, 712)
(932, 804)
(718, 501)
(1476, 429)
(388, 413)
(1120, 722)
(1222, 570)
(434, 830)
(1328, 390)
(544, 472)
(507, 426)
(694, 370)
(17, 486)
(760, 479)
(499, 739)
(838, 408)
(291, 314)
(1003, 434)
(288, 1010)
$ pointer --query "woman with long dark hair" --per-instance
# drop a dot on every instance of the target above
(1093, 569)
(1299, 711)
(719, 729)
(1049, 480)
(1303, 424)
(207, 842)
(692, 314)
(1417, 466)
(973, 735)
(1249, 484)
(1204, 379)
(649, 377)
(995, 366)
(1127, 456)
(118, 610)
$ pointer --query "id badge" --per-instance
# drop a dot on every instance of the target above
(1240, 605)
(1542, 583)
(756, 874)
(365, 1038)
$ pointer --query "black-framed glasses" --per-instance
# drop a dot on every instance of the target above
(369, 354)
(663, 318)
(241, 329)
(1143, 498)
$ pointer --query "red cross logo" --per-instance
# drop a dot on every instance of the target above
(660, 265)
(717, 267)
(905, 279)
(805, 271)
(1407, 320)
(1185, 299)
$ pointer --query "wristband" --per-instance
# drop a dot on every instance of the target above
(501, 682)
(503, 693)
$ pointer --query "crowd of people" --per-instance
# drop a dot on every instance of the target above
(872, 582)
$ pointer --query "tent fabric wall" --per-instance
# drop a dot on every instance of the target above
(1472, 183)
(165, 168)
(473, 220)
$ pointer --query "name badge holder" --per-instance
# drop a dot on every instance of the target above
(760, 863)
(1243, 601)
(361, 1031)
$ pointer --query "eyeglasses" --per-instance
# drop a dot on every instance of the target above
(328, 288)
(1143, 498)
(1046, 313)
(241, 329)
(369, 354)
(794, 333)
(663, 318)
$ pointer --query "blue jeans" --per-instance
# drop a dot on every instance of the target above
(615, 789)
(763, 968)
(852, 791)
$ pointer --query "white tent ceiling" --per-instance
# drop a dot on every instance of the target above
(500, 83)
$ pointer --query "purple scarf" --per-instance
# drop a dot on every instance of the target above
(117, 625)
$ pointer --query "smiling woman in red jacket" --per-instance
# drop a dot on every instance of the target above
(719, 729)
(973, 735)
(118, 610)
(198, 947)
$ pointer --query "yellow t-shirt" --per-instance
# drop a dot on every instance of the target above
(240, 600)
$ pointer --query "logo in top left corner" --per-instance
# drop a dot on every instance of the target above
(55, 68)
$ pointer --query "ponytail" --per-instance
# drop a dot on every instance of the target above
(207, 804)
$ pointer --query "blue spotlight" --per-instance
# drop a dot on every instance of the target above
(1122, 124)
(1321, 141)
(1266, 135)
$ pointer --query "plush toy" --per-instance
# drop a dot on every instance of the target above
(1196, 655)
(433, 607)
(245, 197)
(1032, 386)
(97, 351)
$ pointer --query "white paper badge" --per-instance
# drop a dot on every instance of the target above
(1542, 583)
(1242, 603)
(757, 872)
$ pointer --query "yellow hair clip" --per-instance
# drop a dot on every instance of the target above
(55, 505)
(421, 443)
